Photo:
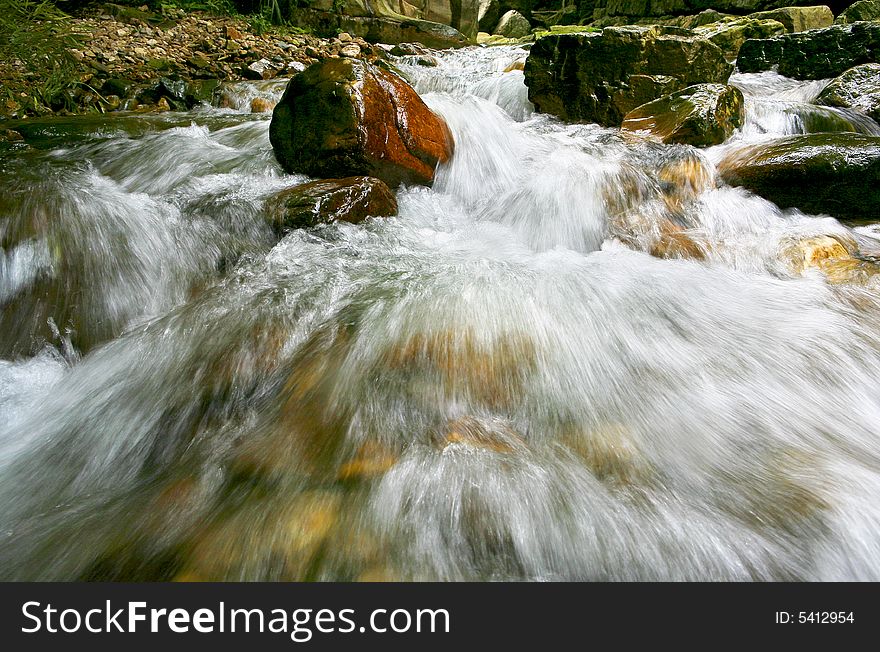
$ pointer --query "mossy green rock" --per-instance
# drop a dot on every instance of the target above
(729, 35)
(817, 54)
(798, 19)
(834, 174)
(602, 76)
(858, 88)
(700, 115)
(862, 10)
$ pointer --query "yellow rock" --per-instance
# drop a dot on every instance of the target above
(468, 431)
(682, 180)
(377, 574)
(836, 256)
(491, 371)
(516, 65)
(674, 242)
(372, 460)
(611, 454)
(261, 105)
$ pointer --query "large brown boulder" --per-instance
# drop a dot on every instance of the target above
(330, 200)
(345, 117)
(602, 76)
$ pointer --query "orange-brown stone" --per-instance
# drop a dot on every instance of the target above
(345, 117)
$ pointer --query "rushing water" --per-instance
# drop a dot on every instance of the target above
(499, 383)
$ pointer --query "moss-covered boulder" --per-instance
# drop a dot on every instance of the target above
(817, 54)
(353, 200)
(858, 88)
(345, 117)
(798, 19)
(834, 174)
(700, 115)
(862, 10)
(602, 76)
(729, 35)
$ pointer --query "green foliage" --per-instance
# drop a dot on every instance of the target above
(217, 7)
(269, 15)
(37, 34)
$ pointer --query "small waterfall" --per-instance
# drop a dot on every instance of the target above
(777, 105)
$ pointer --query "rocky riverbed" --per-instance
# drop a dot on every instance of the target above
(123, 53)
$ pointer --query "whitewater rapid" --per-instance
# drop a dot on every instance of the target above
(549, 400)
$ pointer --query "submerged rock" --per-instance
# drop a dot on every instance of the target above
(347, 200)
(837, 174)
(676, 242)
(816, 54)
(513, 25)
(343, 117)
(858, 89)
(601, 76)
(700, 115)
(835, 256)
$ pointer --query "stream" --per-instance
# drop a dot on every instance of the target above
(500, 383)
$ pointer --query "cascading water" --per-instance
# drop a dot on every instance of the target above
(499, 383)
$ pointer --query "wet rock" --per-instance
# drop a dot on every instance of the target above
(837, 257)
(682, 176)
(330, 200)
(12, 136)
(676, 242)
(516, 65)
(353, 50)
(730, 35)
(344, 117)
(412, 49)
(798, 19)
(490, 372)
(611, 453)
(481, 434)
(267, 538)
(834, 174)
(372, 460)
(817, 54)
(858, 89)
(602, 76)
(200, 91)
(858, 11)
(512, 25)
(700, 115)
(257, 70)
(261, 105)
(117, 86)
